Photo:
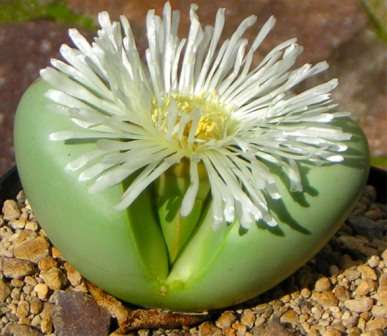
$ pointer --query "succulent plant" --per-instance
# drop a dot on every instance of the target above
(192, 180)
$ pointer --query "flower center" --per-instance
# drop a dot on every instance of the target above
(191, 119)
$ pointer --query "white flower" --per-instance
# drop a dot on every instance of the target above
(195, 101)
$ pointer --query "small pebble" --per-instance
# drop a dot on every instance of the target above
(341, 293)
(41, 291)
(322, 284)
(333, 332)
(248, 318)
(32, 250)
(208, 329)
(35, 322)
(30, 280)
(46, 315)
(72, 275)
(352, 274)
(325, 299)
(364, 288)
(4, 291)
(17, 283)
(373, 261)
(53, 278)
(46, 263)
(359, 305)
(379, 311)
(290, 317)
(225, 320)
(20, 330)
(22, 309)
(33, 226)
(305, 292)
(10, 210)
(367, 272)
(16, 268)
(17, 224)
(23, 236)
(56, 253)
(35, 305)
(379, 323)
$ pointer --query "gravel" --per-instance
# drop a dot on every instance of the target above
(342, 291)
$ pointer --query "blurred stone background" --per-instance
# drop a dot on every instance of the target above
(350, 34)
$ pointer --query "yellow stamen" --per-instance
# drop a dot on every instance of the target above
(212, 121)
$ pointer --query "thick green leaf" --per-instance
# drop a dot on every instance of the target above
(125, 252)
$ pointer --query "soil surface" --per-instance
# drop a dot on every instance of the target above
(342, 291)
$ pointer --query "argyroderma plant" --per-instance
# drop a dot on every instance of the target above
(191, 179)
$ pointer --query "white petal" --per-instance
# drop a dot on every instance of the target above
(147, 176)
(192, 191)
